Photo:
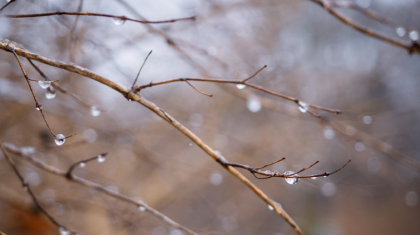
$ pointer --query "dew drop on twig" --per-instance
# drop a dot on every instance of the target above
(101, 158)
(60, 139)
(414, 35)
(291, 180)
(303, 107)
(44, 84)
(50, 95)
(142, 208)
(63, 231)
(240, 86)
(400, 31)
(94, 111)
(270, 207)
(118, 21)
(82, 164)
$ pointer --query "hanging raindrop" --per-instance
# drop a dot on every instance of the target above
(94, 111)
(101, 158)
(414, 35)
(60, 139)
(270, 207)
(82, 164)
(240, 86)
(142, 208)
(291, 180)
(50, 95)
(63, 231)
(303, 107)
(400, 31)
(118, 21)
(44, 84)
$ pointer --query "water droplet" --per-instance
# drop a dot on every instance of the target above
(414, 35)
(190, 144)
(101, 158)
(50, 95)
(27, 150)
(314, 178)
(291, 180)
(240, 86)
(367, 120)
(303, 107)
(38, 108)
(118, 21)
(60, 139)
(328, 189)
(411, 199)
(328, 133)
(129, 100)
(176, 232)
(359, 146)
(82, 164)
(142, 208)
(270, 207)
(94, 111)
(44, 84)
(90, 135)
(253, 104)
(216, 178)
(63, 231)
(400, 31)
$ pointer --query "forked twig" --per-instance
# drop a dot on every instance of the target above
(28, 189)
(82, 163)
(90, 184)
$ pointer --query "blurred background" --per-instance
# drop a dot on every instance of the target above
(310, 55)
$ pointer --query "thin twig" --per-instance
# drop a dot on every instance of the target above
(82, 163)
(255, 74)
(28, 189)
(7, 4)
(122, 18)
(87, 183)
(125, 92)
(138, 74)
(414, 47)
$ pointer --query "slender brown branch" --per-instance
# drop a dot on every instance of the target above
(82, 163)
(7, 4)
(61, 89)
(411, 48)
(87, 183)
(125, 92)
(151, 84)
(122, 18)
(202, 92)
(255, 74)
(138, 74)
(270, 174)
(28, 189)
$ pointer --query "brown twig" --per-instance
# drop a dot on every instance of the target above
(82, 163)
(270, 174)
(138, 74)
(151, 84)
(28, 189)
(7, 4)
(87, 183)
(414, 47)
(37, 103)
(125, 91)
(122, 18)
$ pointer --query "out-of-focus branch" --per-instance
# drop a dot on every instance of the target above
(28, 189)
(7, 4)
(51, 169)
(125, 91)
(414, 47)
(121, 18)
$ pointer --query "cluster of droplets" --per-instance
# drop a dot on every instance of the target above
(118, 21)
(303, 107)
(95, 111)
(413, 34)
(60, 139)
(291, 180)
(44, 84)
